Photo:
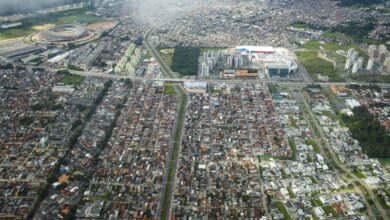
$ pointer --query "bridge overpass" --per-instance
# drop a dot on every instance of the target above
(218, 81)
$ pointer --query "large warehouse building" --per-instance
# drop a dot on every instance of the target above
(256, 49)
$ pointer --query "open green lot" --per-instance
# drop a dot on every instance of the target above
(15, 33)
(331, 48)
(304, 25)
(359, 174)
(315, 45)
(205, 49)
(314, 144)
(169, 90)
(337, 35)
(72, 79)
(316, 65)
(329, 211)
(175, 153)
(371, 78)
(293, 146)
(57, 19)
(167, 55)
(283, 209)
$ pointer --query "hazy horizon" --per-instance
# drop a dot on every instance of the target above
(24, 6)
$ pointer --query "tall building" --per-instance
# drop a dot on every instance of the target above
(205, 69)
(382, 48)
(348, 64)
(277, 70)
(350, 52)
(370, 64)
(387, 61)
(382, 56)
(360, 62)
(230, 61)
(373, 51)
(355, 67)
(210, 61)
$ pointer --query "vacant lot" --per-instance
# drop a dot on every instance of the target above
(72, 79)
(316, 65)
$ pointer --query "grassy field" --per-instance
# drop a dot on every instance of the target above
(299, 25)
(331, 48)
(175, 154)
(56, 19)
(283, 209)
(317, 202)
(371, 78)
(303, 25)
(72, 79)
(15, 33)
(314, 144)
(291, 193)
(293, 146)
(205, 49)
(384, 161)
(80, 18)
(167, 55)
(316, 65)
(337, 35)
(169, 90)
(329, 211)
(359, 174)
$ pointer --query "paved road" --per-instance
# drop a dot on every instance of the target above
(341, 166)
(249, 136)
(217, 81)
(178, 128)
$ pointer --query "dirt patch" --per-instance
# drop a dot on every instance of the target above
(43, 27)
(102, 26)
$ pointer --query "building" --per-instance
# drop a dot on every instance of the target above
(63, 88)
(256, 49)
(339, 90)
(352, 54)
(387, 61)
(228, 73)
(195, 87)
(355, 67)
(210, 61)
(22, 52)
(382, 48)
(360, 62)
(277, 70)
(348, 64)
(373, 51)
(205, 69)
(245, 73)
(382, 56)
(370, 64)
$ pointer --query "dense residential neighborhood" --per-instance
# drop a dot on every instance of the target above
(209, 109)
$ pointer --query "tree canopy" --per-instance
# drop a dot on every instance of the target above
(369, 132)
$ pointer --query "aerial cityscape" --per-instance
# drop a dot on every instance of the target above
(207, 109)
